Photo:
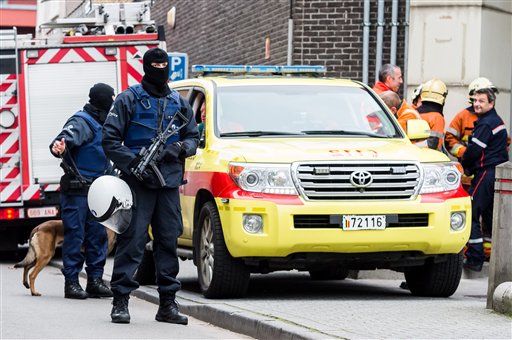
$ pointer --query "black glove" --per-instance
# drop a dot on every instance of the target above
(171, 153)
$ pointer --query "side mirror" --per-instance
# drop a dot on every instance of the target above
(418, 129)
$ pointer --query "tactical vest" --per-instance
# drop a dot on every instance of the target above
(149, 117)
(90, 158)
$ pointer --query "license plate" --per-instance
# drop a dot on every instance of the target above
(364, 222)
(42, 212)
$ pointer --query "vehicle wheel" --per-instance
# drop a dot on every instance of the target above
(329, 273)
(220, 275)
(435, 279)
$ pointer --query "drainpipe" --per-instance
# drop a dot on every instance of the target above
(394, 29)
(380, 35)
(406, 45)
(366, 39)
(289, 59)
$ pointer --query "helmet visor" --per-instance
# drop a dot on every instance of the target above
(119, 221)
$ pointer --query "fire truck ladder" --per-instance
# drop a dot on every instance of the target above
(9, 48)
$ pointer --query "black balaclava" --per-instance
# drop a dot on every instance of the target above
(155, 79)
(101, 97)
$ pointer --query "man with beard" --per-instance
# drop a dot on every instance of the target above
(83, 160)
(139, 114)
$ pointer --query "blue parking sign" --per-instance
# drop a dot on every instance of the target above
(178, 64)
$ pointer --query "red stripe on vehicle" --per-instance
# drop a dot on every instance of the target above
(23, 124)
(14, 172)
(439, 197)
(85, 56)
(222, 186)
(59, 55)
(108, 57)
(12, 149)
(124, 71)
(134, 73)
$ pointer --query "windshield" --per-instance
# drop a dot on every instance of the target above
(300, 110)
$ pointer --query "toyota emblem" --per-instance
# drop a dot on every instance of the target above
(361, 179)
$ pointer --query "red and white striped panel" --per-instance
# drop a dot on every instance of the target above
(69, 55)
(135, 69)
(10, 176)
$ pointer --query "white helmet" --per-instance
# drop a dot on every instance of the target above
(480, 83)
(110, 201)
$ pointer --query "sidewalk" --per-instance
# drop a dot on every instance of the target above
(350, 309)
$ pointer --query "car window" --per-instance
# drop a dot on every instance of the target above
(299, 109)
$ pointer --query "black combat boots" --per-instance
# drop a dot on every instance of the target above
(168, 311)
(96, 288)
(120, 312)
(73, 290)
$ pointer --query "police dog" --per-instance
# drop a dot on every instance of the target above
(42, 243)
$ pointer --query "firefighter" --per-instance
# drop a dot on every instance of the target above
(83, 160)
(456, 140)
(433, 96)
(487, 148)
(390, 79)
(393, 102)
(138, 114)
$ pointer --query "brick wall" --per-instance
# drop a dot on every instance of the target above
(326, 32)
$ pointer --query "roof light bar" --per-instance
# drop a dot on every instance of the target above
(258, 69)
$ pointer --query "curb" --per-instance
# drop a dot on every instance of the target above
(222, 315)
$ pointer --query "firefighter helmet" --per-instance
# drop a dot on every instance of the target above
(480, 83)
(416, 93)
(110, 201)
(434, 91)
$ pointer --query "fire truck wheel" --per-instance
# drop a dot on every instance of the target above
(329, 273)
(435, 279)
(220, 275)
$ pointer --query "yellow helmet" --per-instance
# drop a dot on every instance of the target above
(480, 83)
(435, 91)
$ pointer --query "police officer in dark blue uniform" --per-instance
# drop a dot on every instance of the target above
(83, 160)
(486, 149)
(138, 115)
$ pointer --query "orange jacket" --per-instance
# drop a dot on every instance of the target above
(457, 134)
(380, 87)
(406, 112)
(436, 122)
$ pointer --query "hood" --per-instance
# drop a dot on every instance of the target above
(281, 150)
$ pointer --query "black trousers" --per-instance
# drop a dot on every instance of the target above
(482, 195)
(160, 208)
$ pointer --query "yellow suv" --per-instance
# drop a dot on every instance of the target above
(298, 171)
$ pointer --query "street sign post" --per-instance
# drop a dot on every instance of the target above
(178, 64)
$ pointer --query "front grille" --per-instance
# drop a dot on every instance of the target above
(332, 181)
(334, 221)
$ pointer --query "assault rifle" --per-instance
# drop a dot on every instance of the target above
(149, 156)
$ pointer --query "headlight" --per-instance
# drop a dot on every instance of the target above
(440, 177)
(264, 178)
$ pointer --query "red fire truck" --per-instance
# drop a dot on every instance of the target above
(42, 83)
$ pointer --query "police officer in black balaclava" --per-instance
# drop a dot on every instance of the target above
(138, 115)
(83, 160)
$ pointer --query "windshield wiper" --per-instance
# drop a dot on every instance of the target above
(343, 133)
(256, 133)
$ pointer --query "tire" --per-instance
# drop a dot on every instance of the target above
(329, 273)
(220, 275)
(435, 279)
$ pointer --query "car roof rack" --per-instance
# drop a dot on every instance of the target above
(306, 70)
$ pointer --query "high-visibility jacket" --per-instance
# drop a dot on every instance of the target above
(457, 134)
(380, 87)
(406, 112)
(436, 122)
